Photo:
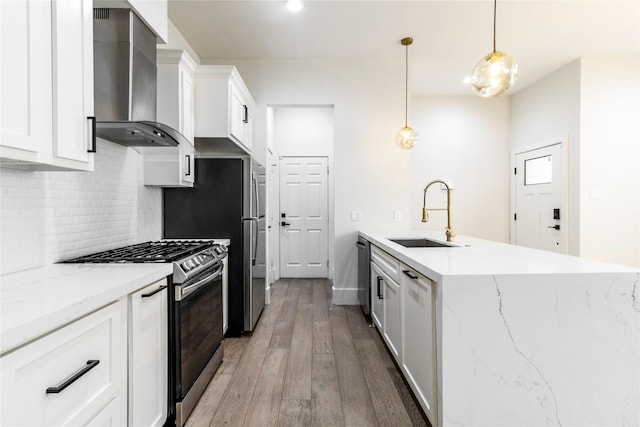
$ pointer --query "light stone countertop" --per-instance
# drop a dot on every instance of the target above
(37, 301)
(472, 256)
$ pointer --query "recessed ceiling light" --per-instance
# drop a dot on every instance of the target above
(294, 5)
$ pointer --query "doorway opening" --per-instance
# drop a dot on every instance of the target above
(301, 240)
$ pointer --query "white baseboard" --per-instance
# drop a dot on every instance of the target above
(348, 296)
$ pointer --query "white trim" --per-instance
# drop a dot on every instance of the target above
(345, 296)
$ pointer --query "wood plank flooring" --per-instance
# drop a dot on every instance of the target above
(307, 363)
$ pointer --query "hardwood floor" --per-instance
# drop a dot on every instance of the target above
(307, 363)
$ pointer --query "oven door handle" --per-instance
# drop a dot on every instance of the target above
(183, 292)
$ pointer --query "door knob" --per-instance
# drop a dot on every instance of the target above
(555, 227)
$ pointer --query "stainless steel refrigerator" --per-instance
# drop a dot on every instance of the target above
(226, 201)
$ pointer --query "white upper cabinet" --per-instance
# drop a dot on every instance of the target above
(72, 83)
(25, 37)
(173, 166)
(47, 85)
(223, 110)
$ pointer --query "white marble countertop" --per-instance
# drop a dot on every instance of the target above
(39, 300)
(472, 256)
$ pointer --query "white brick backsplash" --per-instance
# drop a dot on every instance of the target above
(46, 217)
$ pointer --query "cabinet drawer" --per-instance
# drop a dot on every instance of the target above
(386, 262)
(30, 373)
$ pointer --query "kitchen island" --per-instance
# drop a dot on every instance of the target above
(525, 337)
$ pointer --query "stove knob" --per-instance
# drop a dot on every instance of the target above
(185, 266)
(197, 260)
(218, 250)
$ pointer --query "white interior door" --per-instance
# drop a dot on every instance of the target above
(303, 217)
(540, 200)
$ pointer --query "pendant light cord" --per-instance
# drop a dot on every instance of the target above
(495, 3)
(406, 83)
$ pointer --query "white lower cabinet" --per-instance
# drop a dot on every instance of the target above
(377, 298)
(148, 336)
(391, 327)
(403, 308)
(76, 375)
(385, 300)
(419, 339)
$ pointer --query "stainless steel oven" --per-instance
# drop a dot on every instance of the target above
(197, 324)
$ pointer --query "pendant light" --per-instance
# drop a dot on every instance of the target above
(406, 137)
(496, 73)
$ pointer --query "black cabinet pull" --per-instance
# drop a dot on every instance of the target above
(410, 274)
(154, 292)
(360, 245)
(246, 114)
(75, 377)
(188, 165)
(93, 134)
(378, 280)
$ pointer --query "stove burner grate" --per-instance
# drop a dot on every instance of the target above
(158, 251)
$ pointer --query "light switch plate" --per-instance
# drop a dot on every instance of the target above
(356, 215)
(397, 216)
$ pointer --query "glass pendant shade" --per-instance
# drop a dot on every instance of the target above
(406, 138)
(494, 74)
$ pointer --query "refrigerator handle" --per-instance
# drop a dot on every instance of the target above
(254, 181)
(256, 224)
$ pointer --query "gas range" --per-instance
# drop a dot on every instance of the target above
(189, 257)
(195, 315)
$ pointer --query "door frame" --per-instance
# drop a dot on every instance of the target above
(564, 149)
(330, 210)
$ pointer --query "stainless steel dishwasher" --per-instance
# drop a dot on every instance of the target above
(364, 274)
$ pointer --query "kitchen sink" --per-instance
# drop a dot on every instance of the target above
(421, 243)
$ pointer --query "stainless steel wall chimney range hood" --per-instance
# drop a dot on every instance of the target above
(125, 81)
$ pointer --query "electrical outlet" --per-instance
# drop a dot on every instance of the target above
(397, 216)
(356, 215)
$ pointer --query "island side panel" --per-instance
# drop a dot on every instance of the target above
(540, 349)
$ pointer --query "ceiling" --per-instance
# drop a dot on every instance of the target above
(449, 36)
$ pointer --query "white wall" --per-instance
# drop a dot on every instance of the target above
(596, 102)
(177, 41)
(548, 109)
(465, 140)
(303, 130)
(610, 159)
(47, 217)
